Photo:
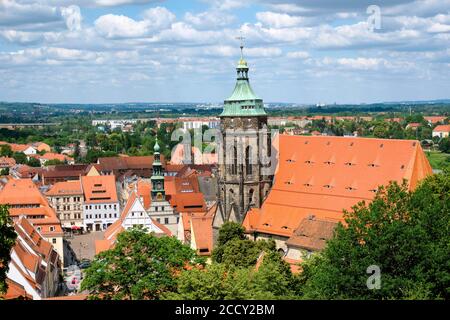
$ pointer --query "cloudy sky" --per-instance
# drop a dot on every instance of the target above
(305, 51)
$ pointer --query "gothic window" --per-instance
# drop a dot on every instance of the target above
(250, 196)
(248, 162)
(234, 160)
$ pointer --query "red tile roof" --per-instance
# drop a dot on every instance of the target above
(321, 176)
(99, 189)
(72, 187)
(15, 291)
(311, 234)
(442, 128)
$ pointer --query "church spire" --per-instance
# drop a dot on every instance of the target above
(243, 101)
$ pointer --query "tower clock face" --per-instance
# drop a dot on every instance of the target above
(159, 185)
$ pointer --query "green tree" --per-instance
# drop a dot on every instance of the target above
(20, 157)
(140, 266)
(444, 145)
(7, 240)
(228, 231)
(5, 150)
(404, 233)
(4, 172)
(272, 280)
(33, 162)
(244, 253)
(53, 162)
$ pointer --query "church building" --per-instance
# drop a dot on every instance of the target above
(245, 175)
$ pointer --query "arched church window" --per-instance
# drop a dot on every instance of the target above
(250, 196)
(234, 160)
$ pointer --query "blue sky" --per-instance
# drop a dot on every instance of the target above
(304, 51)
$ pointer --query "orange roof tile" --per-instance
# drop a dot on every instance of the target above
(435, 119)
(72, 187)
(321, 176)
(311, 234)
(202, 231)
(55, 156)
(15, 291)
(99, 189)
(442, 128)
(21, 191)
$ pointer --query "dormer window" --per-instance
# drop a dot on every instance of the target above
(350, 188)
(328, 186)
(284, 227)
(373, 165)
(329, 162)
(308, 185)
(309, 162)
(373, 190)
(350, 164)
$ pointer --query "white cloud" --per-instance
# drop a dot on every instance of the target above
(298, 55)
(278, 20)
(120, 26)
(159, 18)
(209, 19)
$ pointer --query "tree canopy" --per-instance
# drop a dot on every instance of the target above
(403, 233)
(140, 266)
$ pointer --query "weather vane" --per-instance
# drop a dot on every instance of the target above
(241, 38)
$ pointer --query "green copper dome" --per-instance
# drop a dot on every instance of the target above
(243, 101)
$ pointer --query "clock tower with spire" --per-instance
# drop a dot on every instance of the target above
(244, 151)
(160, 209)
(157, 178)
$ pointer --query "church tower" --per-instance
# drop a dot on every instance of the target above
(244, 151)
(157, 178)
(160, 209)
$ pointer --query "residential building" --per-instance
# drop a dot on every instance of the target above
(441, 131)
(310, 236)
(41, 146)
(57, 173)
(413, 125)
(6, 162)
(25, 199)
(134, 214)
(435, 119)
(54, 156)
(101, 205)
(198, 123)
(25, 148)
(118, 166)
(35, 265)
(196, 229)
(67, 199)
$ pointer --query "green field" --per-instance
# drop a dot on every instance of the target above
(438, 160)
